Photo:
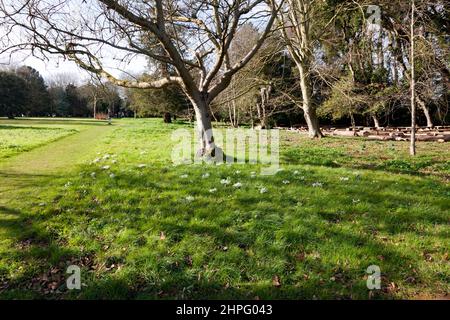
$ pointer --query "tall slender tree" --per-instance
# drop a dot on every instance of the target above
(412, 148)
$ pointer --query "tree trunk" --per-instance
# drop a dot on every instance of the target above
(312, 122)
(308, 109)
(233, 103)
(95, 106)
(262, 114)
(376, 121)
(353, 122)
(167, 117)
(263, 122)
(204, 128)
(412, 147)
(426, 111)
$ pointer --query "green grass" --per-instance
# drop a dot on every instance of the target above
(14, 140)
(155, 233)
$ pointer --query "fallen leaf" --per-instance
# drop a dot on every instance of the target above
(188, 260)
(301, 256)
(428, 257)
(276, 281)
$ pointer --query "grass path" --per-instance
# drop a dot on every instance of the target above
(27, 176)
(29, 172)
(57, 156)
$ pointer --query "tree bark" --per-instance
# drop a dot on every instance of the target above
(313, 122)
(412, 147)
(376, 121)
(167, 117)
(426, 111)
(308, 109)
(204, 127)
(262, 114)
(95, 106)
(352, 120)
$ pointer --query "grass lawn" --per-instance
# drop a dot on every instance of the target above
(17, 139)
(108, 199)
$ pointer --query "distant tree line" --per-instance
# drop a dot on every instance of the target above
(23, 92)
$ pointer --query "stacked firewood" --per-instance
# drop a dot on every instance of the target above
(437, 134)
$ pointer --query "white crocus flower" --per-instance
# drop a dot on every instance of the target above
(237, 185)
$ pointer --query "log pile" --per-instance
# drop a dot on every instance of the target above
(436, 134)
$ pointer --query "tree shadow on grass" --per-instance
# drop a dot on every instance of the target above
(328, 157)
(230, 249)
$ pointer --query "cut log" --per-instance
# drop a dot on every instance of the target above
(397, 134)
(344, 133)
(383, 138)
(432, 138)
(366, 133)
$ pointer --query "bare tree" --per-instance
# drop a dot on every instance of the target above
(62, 79)
(412, 148)
(296, 26)
(94, 92)
(195, 35)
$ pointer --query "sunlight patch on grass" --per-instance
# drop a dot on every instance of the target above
(14, 140)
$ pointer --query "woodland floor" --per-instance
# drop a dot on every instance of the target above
(141, 228)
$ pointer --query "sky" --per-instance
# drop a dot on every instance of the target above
(57, 65)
